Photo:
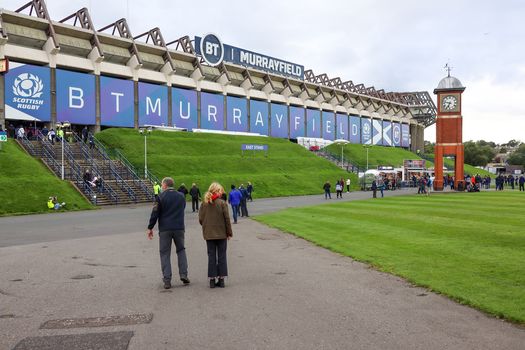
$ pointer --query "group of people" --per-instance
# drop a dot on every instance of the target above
(339, 188)
(92, 181)
(238, 198)
(510, 181)
(214, 218)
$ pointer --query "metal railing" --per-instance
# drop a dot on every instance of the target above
(100, 149)
(28, 145)
(129, 171)
(75, 174)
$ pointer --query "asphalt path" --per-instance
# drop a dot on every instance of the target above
(282, 292)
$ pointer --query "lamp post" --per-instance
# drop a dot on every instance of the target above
(341, 142)
(145, 132)
(367, 148)
(62, 144)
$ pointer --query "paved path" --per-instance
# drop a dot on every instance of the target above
(283, 292)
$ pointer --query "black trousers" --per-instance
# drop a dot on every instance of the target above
(244, 208)
(217, 264)
(194, 203)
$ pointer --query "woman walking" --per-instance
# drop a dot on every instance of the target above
(217, 230)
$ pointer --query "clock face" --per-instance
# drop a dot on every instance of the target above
(449, 103)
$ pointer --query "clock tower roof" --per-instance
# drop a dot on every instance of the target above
(449, 83)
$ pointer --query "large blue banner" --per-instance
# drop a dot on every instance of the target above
(366, 131)
(212, 111)
(377, 132)
(184, 108)
(75, 97)
(236, 114)
(405, 135)
(328, 119)
(279, 118)
(27, 92)
(313, 123)
(153, 104)
(387, 133)
(355, 129)
(259, 117)
(342, 126)
(116, 102)
(297, 120)
(396, 134)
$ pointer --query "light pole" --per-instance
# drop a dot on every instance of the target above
(62, 143)
(341, 142)
(145, 132)
(367, 148)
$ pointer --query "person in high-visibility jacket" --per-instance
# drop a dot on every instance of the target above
(60, 133)
(50, 204)
(156, 190)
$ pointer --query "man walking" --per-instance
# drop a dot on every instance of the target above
(195, 195)
(348, 182)
(235, 201)
(156, 190)
(522, 183)
(244, 199)
(169, 211)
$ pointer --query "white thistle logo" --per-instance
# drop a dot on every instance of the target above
(28, 85)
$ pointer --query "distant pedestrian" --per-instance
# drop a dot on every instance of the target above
(20, 133)
(216, 230)
(326, 188)
(348, 182)
(51, 136)
(168, 210)
(182, 189)
(249, 188)
(85, 134)
(195, 195)
(244, 199)
(374, 189)
(156, 190)
(339, 190)
(91, 141)
(234, 199)
(521, 182)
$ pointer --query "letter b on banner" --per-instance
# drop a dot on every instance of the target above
(75, 97)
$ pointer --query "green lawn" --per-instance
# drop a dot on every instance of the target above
(289, 169)
(26, 184)
(468, 246)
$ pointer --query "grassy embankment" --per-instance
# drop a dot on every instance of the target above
(27, 184)
(289, 169)
(469, 246)
(389, 156)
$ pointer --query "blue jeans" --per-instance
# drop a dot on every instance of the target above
(235, 210)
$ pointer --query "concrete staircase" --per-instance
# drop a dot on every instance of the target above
(120, 182)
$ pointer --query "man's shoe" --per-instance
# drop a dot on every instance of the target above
(167, 284)
(212, 282)
(185, 280)
(220, 283)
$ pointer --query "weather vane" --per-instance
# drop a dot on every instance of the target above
(448, 68)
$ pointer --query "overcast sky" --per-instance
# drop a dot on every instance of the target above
(392, 45)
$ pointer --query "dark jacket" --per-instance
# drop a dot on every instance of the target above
(183, 190)
(244, 193)
(215, 220)
(169, 211)
(195, 193)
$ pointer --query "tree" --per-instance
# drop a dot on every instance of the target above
(518, 156)
(478, 153)
(429, 147)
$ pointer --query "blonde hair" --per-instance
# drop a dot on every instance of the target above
(215, 188)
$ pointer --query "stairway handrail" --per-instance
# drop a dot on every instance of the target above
(123, 185)
(131, 171)
(28, 145)
(75, 173)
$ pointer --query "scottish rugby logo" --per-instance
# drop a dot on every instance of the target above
(28, 85)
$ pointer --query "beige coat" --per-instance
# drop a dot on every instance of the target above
(215, 220)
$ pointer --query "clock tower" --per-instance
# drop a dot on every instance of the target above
(449, 131)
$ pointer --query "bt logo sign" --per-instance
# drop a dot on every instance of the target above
(212, 50)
